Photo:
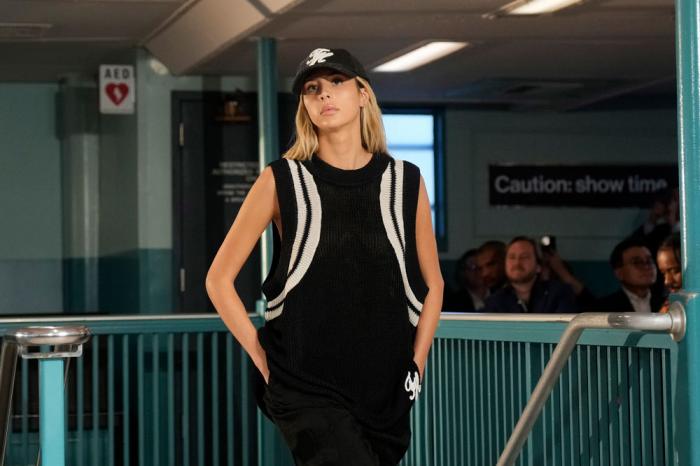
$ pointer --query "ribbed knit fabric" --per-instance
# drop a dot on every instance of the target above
(345, 290)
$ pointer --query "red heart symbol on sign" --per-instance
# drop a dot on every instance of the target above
(117, 92)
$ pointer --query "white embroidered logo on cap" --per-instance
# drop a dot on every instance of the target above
(318, 56)
(412, 386)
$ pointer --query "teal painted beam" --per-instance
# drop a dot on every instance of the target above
(688, 79)
(52, 413)
(267, 100)
(269, 151)
(267, 124)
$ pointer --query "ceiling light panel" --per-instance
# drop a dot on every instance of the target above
(420, 56)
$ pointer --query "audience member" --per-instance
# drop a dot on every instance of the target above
(635, 270)
(470, 291)
(668, 259)
(525, 291)
(661, 222)
(490, 259)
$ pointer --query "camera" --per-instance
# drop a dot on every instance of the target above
(548, 243)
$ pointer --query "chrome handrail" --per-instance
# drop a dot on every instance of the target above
(112, 318)
(672, 323)
(445, 315)
(519, 318)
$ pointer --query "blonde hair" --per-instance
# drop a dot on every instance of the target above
(371, 128)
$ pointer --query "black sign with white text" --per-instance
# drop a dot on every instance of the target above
(579, 186)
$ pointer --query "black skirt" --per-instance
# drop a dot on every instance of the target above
(319, 431)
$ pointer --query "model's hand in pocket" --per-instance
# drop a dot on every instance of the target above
(421, 368)
(261, 363)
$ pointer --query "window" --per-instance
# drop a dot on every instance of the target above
(414, 136)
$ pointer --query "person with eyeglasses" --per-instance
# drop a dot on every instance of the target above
(635, 269)
(470, 292)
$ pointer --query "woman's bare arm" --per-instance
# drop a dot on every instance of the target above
(256, 212)
(430, 269)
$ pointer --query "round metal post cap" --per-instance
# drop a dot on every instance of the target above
(677, 312)
(35, 336)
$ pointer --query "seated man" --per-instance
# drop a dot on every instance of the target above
(490, 259)
(525, 292)
(470, 293)
(635, 270)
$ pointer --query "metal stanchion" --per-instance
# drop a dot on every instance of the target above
(8, 368)
(50, 345)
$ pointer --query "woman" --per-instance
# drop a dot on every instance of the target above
(354, 292)
(668, 258)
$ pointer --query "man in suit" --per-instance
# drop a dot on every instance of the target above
(470, 293)
(525, 290)
(634, 268)
(490, 260)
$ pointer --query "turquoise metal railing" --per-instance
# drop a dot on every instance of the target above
(174, 390)
(147, 391)
(671, 324)
(612, 405)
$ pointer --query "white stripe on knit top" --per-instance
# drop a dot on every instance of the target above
(307, 244)
(397, 238)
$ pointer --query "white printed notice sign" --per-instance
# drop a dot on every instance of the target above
(117, 89)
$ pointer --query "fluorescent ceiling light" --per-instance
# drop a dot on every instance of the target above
(538, 7)
(420, 56)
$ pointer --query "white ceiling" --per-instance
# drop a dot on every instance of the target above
(586, 54)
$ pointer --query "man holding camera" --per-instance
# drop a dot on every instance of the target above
(525, 291)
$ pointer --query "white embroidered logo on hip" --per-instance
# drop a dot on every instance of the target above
(318, 56)
(412, 385)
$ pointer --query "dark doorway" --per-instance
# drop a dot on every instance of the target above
(215, 161)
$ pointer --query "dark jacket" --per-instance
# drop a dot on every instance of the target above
(546, 297)
(457, 300)
(619, 302)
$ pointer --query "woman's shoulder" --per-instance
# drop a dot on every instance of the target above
(277, 163)
(279, 167)
(286, 162)
(410, 170)
(407, 166)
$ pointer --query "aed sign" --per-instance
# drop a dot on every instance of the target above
(117, 89)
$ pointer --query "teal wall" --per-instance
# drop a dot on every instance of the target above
(585, 236)
(30, 200)
(136, 267)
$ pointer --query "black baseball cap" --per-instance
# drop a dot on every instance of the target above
(336, 59)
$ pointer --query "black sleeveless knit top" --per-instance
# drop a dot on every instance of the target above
(345, 292)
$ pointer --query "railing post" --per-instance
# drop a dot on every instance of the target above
(52, 412)
(687, 415)
(269, 151)
(268, 148)
(67, 342)
(8, 369)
